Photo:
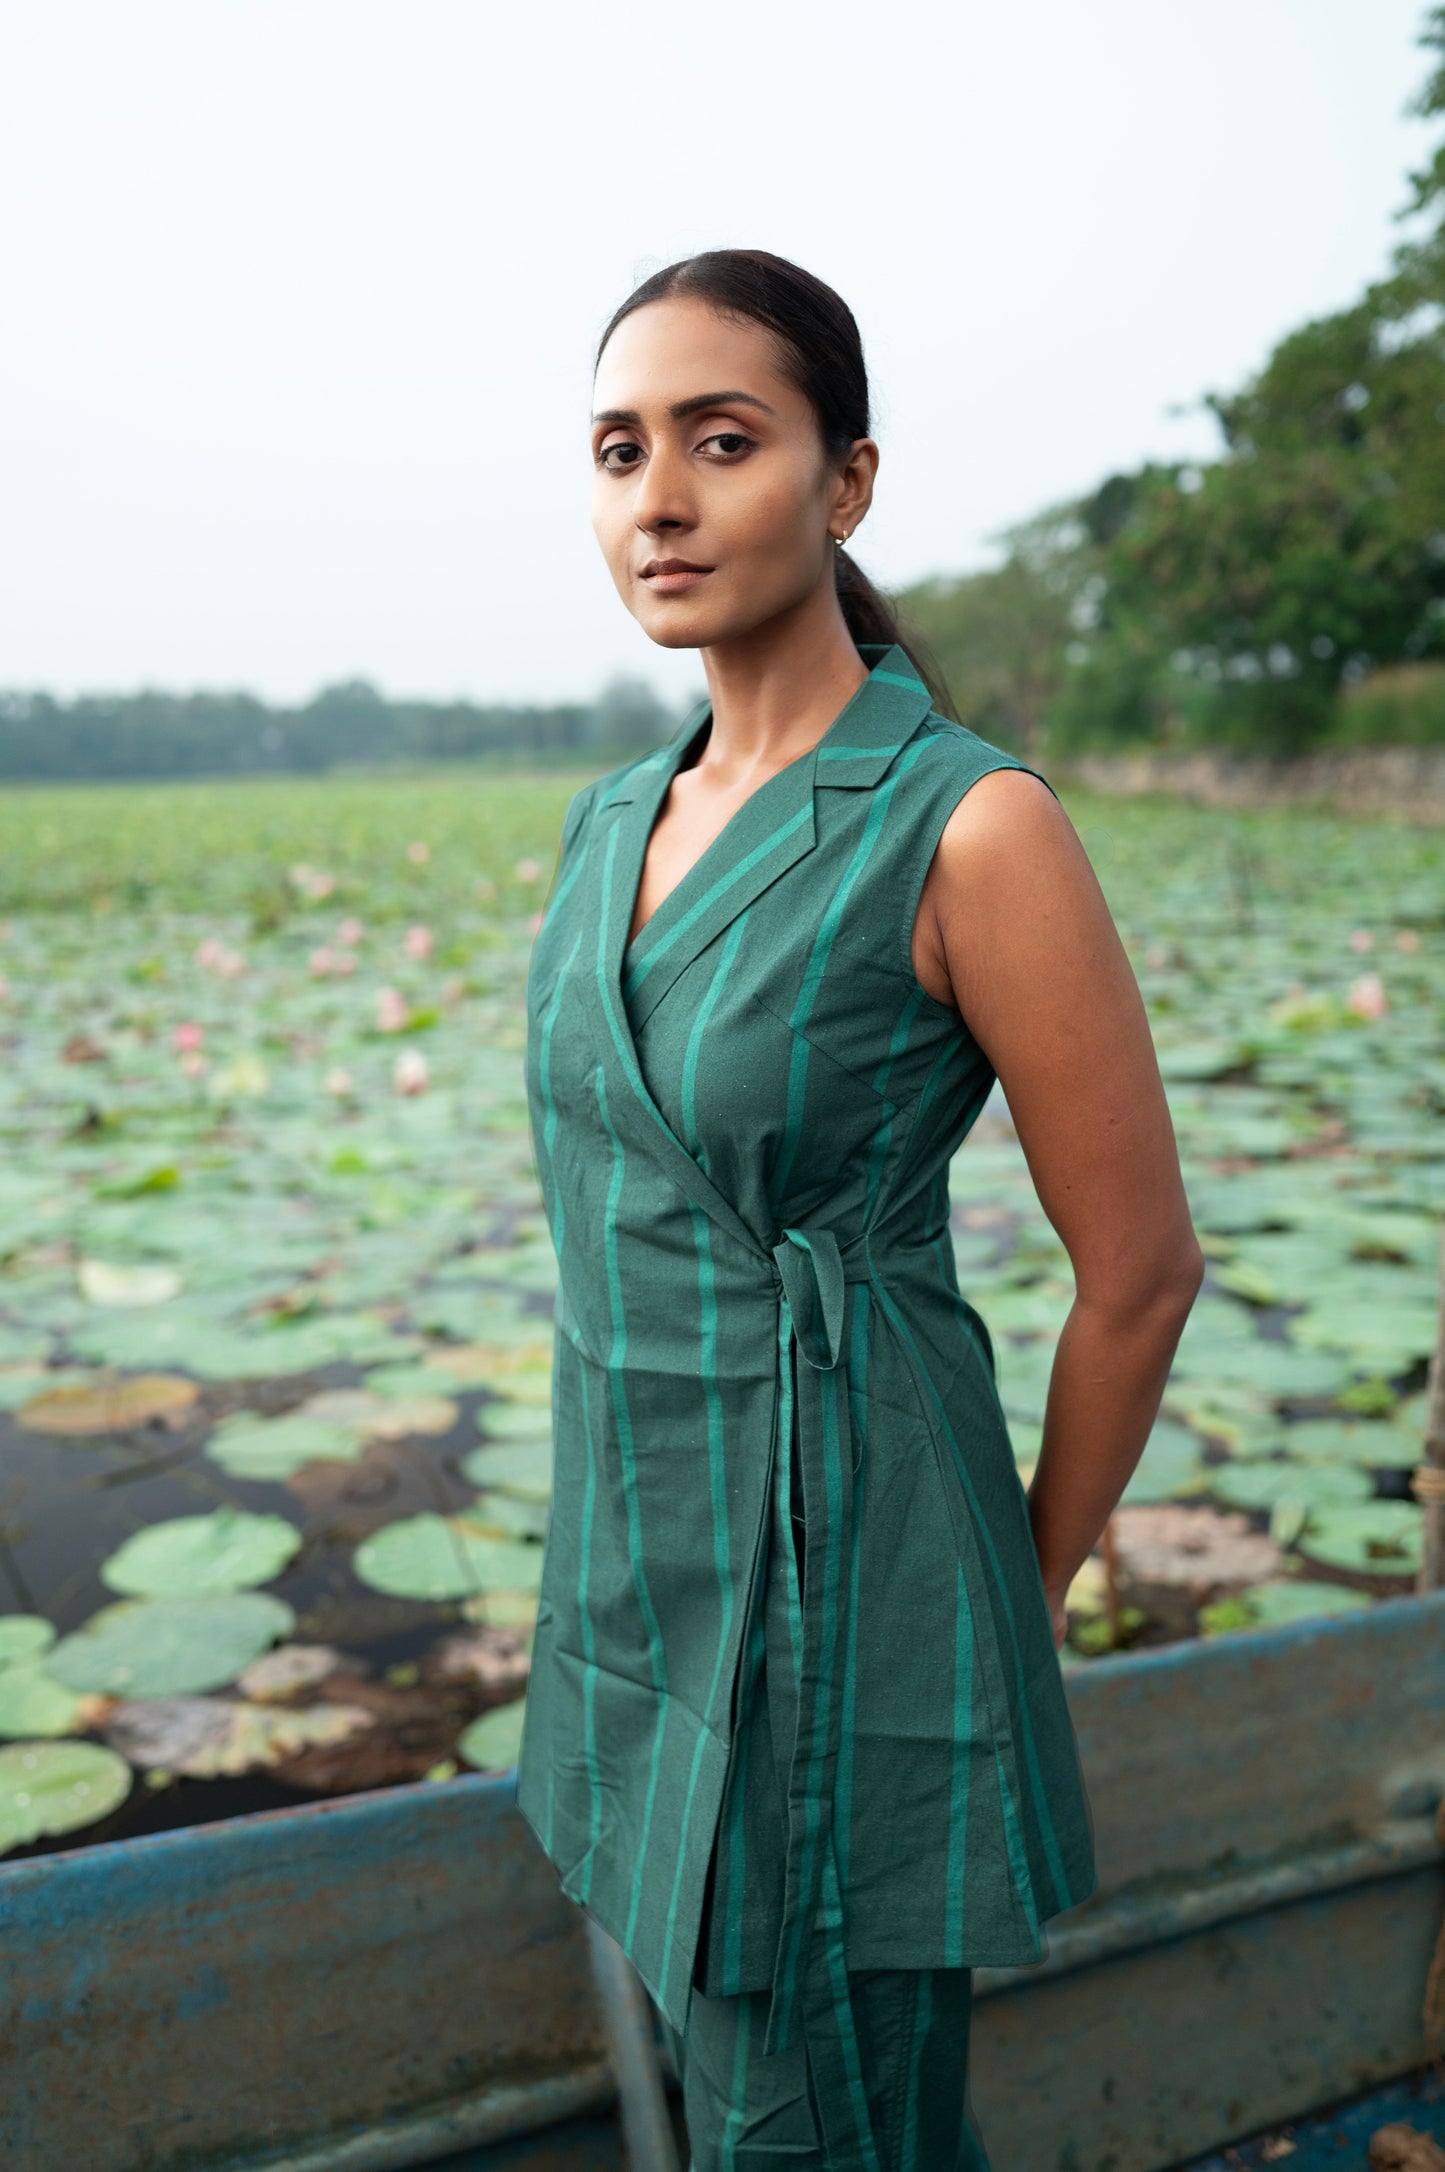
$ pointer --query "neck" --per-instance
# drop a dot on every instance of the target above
(775, 691)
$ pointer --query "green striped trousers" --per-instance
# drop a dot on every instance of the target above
(748, 2110)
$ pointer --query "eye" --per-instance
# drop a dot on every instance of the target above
(618, 445)
(733, 442)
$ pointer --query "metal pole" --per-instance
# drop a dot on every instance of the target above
(1429, 1473)
(632, 2047)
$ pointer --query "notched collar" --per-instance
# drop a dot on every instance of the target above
(863, 740)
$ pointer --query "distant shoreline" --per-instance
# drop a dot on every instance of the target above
(1405, 782)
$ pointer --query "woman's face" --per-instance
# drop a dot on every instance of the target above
(704, 452)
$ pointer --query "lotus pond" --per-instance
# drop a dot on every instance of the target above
(276, 1289)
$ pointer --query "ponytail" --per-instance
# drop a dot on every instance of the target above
(870, 617)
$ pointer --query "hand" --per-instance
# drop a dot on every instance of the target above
(1058, 1617)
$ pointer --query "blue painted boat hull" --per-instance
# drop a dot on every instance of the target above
(392, 1978)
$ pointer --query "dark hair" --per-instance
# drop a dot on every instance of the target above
(821, 351)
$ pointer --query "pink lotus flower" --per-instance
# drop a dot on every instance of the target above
(527, 870)
(417, 942)
(409, 1073)
(322, 961)
(418, 852)
(337, 1081)
(187, 1037)
(313, 882)
(217, 958)
(1367, 998)
(391, 1011)
(350, 932)
(1362, 940)
(1408, 941)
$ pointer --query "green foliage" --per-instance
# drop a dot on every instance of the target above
(1287, 594)
(1001, 637)
(1401, 706)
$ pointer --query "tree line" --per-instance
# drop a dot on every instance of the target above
(153, 734)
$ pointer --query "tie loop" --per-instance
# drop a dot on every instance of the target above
(812, 1272)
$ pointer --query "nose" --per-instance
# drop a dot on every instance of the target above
(664, 501)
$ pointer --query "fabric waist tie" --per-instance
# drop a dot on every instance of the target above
(810, 1980)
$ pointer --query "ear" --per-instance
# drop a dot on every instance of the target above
(856, 472)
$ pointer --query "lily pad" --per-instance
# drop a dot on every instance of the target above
(511, 1609)
(47, 1788)
(231, 1549)
(1171, 1465)
(108, 1406)
(508, 1421)
(274, 1449)
(1372, 1443)
(1265, 1484)
(1374, 1538)
(169, 1647)
(443, 1557)
(109, 1282)
(382, 1417)
(205, 1737)
(24, 1636)
(493, 1743)
(1300, 1598)
(32, 1702)
(521, 1467)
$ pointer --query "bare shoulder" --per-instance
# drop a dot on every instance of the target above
(1008, 847)
(1005, 812)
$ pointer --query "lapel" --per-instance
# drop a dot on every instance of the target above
(774, 828)
(771, 832)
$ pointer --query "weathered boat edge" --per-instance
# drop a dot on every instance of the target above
(387, 1979)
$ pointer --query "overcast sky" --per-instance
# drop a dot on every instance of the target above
(298, 297)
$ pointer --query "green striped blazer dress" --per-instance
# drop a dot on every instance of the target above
(855, 1749)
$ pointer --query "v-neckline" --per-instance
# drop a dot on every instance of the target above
(674, 769)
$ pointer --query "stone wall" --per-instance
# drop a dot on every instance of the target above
(1405, 781)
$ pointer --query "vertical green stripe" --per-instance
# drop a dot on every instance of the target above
(710, 897)
(957, 1872)
(589, 1648)
(1001, 1584)
(616, 1378)
(731, 1889)
(922, 2020)
(858, 1381)
(843, 2023)
(548, 1140)
(717, 1462)
(879, 801)
(742, 2049)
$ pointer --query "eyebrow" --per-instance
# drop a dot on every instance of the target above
(699, 402)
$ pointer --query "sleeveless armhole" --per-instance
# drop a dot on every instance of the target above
(986, 758)
(576, 815)
(578, 808)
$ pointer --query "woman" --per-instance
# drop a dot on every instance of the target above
(796, 1733)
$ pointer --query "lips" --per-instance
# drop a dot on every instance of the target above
(673, 576)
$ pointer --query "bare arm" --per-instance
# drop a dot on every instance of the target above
(1014, 929)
